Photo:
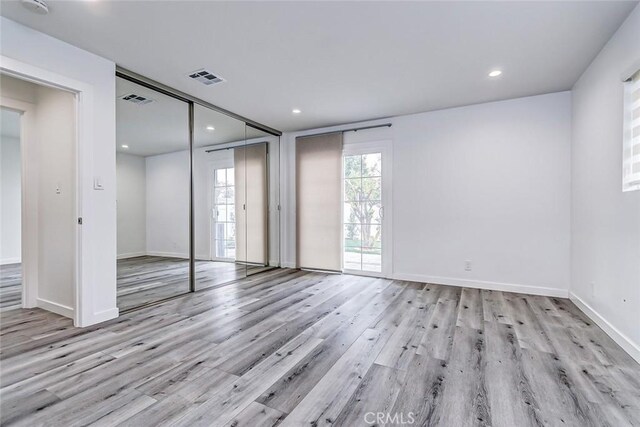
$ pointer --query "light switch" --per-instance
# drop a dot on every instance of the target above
(97, 183)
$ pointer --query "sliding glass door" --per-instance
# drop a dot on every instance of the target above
(363, 212)
(366, 192)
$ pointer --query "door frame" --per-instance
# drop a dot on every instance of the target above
(384, 147)
(81, 312)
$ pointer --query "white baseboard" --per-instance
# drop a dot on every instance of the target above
(54, 307)
(481, 284)
(289, 265)
(6, 261)
(100, 316)
(131, 255)
(621, 339)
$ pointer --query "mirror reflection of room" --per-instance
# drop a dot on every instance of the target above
(232, 199)
(235, 198)
(152, 174)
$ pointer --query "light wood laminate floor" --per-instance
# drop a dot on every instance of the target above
(10, 286)
(307, 349)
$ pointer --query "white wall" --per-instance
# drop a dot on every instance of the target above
(487, 183)
(56, 139)
(10, 198)
(97, 298)
(605, 262)
(131, 175)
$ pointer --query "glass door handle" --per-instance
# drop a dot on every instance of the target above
(381, 212)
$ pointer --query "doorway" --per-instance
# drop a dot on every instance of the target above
(11, 206)
(38, 253)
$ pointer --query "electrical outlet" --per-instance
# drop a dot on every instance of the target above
(467, 265)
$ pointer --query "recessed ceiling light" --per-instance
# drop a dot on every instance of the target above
(210, 128)
(296, 111)
(124, 146)
(495, 73)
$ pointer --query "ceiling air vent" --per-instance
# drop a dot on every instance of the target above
(205, 77)
(136, 99)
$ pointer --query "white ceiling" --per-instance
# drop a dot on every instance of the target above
(341, 62)
(9, 123)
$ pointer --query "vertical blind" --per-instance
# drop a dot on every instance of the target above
(318, 201)
(251, 203)
(631, 158)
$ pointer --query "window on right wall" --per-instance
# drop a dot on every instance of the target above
(631, 149)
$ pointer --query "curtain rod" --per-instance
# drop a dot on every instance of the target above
(384, 125)
(235, 146)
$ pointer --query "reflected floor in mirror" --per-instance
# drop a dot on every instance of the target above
(147, 279)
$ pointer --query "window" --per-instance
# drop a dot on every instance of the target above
(363, 212)
(631, 153)
(224, 214)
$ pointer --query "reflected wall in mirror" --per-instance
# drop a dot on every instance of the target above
(218, 197)
(152, 173)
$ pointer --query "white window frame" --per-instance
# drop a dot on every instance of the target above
(213, 166)
(384, 147)
(630, 181)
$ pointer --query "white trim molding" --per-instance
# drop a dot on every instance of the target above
(481, 284)
(6, 261)
(621, 339)
(102, 316)
(54, 307)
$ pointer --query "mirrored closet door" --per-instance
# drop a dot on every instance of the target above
(197, 196)
(152, 195)
(218, 197)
